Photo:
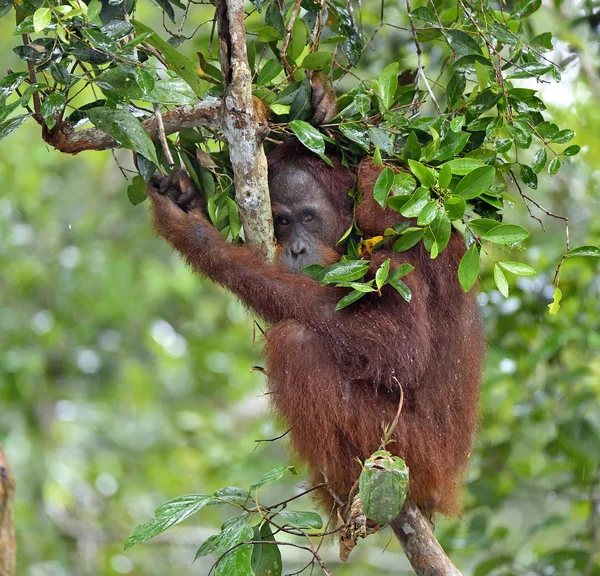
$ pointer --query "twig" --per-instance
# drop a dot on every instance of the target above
(33, 80)
(258, 441)
(161, 134)
(390, 432)
(526, 199)
(286, 41)
(420, 73)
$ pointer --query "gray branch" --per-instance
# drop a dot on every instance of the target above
(208, 113)
(420, 545)
(244, 128)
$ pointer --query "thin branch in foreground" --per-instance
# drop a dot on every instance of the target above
(420, 72)
(161, 134)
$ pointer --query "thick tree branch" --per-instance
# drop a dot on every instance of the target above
(8, 545)
(207, 113)
(420, 545)
(244, 128)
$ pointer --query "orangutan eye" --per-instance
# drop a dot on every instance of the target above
(307, 218)
(281, 221)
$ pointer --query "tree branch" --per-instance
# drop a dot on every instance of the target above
(207, 113)
(244, 128)
(8, 545)
(420, 545)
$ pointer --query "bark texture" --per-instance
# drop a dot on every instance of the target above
(420, 545)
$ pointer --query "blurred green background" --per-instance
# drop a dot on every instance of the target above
(126, 381)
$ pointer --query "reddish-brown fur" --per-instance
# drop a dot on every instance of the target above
(333, 375)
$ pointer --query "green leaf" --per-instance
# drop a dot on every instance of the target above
(506, 234)
(400, 271)
(428, 213)
(99, 40)
(347, 271)
(266, 558)
(476, 182)
(59, 73)
(41, 19)
(451, 145)
(169, 514)
(176, 61)
(572, 150)
(235, 223)
(554, 167)
(238, 562)
(528, 176)
(445, 176)
(408, 240)
(457, 123)
(463, 166)
(468, 270)
(174, 91)
(539, 160)
(517, 268)
(462, 43)
(542, 42)
(593, 251)
(524, 8)
(268, 34)
(125, 128)
(412, 208)
(412, 148)
(382, 274)
(482, 226)
(232, 495)
(311, 138)
(93, 10)
(381, 140)
(455, 89)
(383, 185)
(10, 82)
(52, 105)
(455, 207)
(317, 60)
(554, 306)
(424, 174)
(300, 519)
(500, 280)
(401, 288)
(483, 78)
(349, 299)
(356, 133)
(404, 183)
(564, 136)
(10, 125)
(269, 72)
(273, 475)
(136, 191)
(388, 84)
(298, 40)
(438, 234)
